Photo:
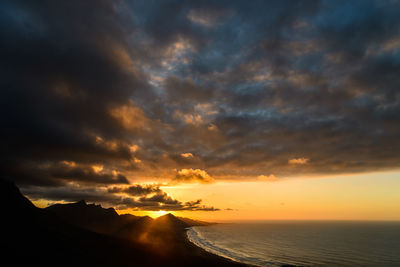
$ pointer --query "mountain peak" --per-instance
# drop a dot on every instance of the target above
(168, 215)
(169, 220)
(81, 202)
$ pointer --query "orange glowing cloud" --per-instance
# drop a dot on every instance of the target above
(187, 155)
(299, 161)
(193, 176)
(130, 116)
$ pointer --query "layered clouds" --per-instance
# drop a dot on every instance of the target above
(135, 197)
(98, 95)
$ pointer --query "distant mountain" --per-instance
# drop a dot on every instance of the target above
(192, 222)
(90, 216)
(107, 221)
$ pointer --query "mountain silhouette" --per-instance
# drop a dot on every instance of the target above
(107, 221)
(89, 216)
(36, 237)
(16, 201)
(56, 236)
(169, 220)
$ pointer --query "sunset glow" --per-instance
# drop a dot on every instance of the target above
(211, 110)
(217, 133)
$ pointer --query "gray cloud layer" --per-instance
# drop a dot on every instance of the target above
(136, 197)
(245, 87)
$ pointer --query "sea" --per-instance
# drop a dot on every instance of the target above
(303, 243)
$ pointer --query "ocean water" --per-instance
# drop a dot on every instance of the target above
(303, 243)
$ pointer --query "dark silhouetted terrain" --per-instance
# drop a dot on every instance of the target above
(79, 234)
(163, 234)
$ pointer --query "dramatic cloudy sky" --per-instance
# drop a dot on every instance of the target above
(111, 100)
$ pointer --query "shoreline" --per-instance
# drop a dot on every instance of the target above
(225, 258)
(212, 254)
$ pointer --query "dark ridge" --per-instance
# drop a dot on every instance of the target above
(80, 208)
(89, 216)
(12, 198)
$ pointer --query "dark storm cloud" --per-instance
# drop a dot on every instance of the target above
(88, 174)
(186, 90)
(71, 194)
(62, 69)
(243, 86)
(161, 201)
(153, 200)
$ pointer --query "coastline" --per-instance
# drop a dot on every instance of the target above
(215, 258)
(212, 254)
(226, 258)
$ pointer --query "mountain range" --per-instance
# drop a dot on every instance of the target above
(81, 234)
(165, 230)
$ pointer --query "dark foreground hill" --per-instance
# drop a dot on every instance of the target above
(44, 237)
(165, 231)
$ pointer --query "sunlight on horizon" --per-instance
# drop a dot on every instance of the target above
(152, 214)
(370, 196)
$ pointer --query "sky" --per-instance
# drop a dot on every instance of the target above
(225, 110)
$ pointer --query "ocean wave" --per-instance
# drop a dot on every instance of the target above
(196, 238)
(302, 243)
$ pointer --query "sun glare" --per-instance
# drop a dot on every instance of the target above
(160, 213)
(152, 214)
